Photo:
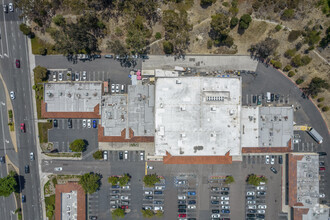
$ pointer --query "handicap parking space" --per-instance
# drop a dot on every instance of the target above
(219, 198)
(62, 135)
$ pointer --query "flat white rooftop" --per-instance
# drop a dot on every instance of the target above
(198, 116)
(72, 97)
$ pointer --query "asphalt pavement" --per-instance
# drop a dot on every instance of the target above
(13, 45)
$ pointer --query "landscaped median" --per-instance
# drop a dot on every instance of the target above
(11, 120)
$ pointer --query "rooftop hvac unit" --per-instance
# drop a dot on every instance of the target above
(183, 108)
(231, 112)
(178, 81)
(213, 109)
(183, 135)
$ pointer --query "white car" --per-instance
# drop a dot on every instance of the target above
(262, 207)
(214, 197)
(113, 90)
(215, 215)
(141, 156)
(148, 192)
(117, 88)
(84, 77)
(181, 197)
(261, 211)
(251, 202)
(267, 159)
(11, 7)
(156, 208)
(60, 76)
(58, 168)
(224, 202)
(31, 156)
(148, 208)
(125, 187)
(84, 123)
(181, 182)
(191, 207)
(224, 197)
(124, 197)
(159, 187)
(261, 187)
(251, 206)
(250, 193)
(272, 160)
(89, 123)
(12, 95)
(54, 76)
(225, 207)
(150, 167)
(322, 195)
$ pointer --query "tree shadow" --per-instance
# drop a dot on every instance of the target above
(21, 183)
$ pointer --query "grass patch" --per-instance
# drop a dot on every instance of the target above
(63, 154)
(38, 45)
(50, 206)
(43, 131)
(11, 126)
(47, 187)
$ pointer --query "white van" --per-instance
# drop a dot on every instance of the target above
(105, 155)
(126, 155)
(268, 97)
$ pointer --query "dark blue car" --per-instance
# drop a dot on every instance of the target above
(23, 198)
(94, 123)
(225, 210)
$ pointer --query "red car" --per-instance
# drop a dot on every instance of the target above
(23, 127)
(18, 64)
(124, 207)
(322, 168)
(183, 215)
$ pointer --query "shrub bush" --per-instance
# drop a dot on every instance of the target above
(287, 68)
(296, 61)
(158, 35)
(320, 99)
(299, 81)
(290, 53)
(98, 155)
(276, 64)
(320, 105)
(288, 14)
(325, 109)
(167, 47)
(278, 27)
(306, 60)
(209, 44)
(233, 22)
(291, 74)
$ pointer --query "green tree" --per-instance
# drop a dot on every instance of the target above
(206, 3)
(277, 64)
(8, 184)
(42, 51)
(325, 41)
(255, 180)
(229, 180)
(150, 180)
(288, 14)
(59, 20)
(316, 86)
(98, 155)
(312, 37)
(167, 47)
(26, 30)
(325, 109)
(320, 99)
(40, 73)
(220, 30)
(118, 32)
(293, 35)
(78, 145)
(296, 61)
(146, 213)
(233, 22)
(124, 180)
(113, 180)
(245, 21)
(264, 48)
(305, 60)
(158, 35)
(90, 182)
(137, 35)
(118, 213)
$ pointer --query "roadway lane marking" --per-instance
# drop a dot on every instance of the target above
(3, 130)
(1, 44)
(4, 20)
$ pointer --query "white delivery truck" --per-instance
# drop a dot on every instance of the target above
(315, 135)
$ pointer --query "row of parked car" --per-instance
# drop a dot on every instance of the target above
(219, 202)
(255, 202)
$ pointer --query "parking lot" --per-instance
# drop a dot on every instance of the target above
(132, 156)
(154, 197)
(187, 196)
(120, 197)
(61, 136)
(255, 201)
(219, 198)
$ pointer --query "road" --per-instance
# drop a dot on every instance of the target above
(14, 46)
(7, 204)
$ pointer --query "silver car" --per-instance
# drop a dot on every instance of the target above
(12, 95)
(11, 7)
